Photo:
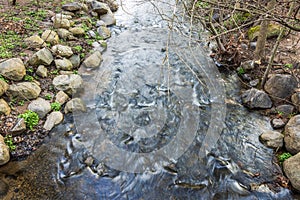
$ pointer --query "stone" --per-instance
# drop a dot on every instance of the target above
(100, 46)
(75, 105)
(285, 110)
(272, 139)
(91, 34)
(35, 41)
(100, 23)
(77, 31)
(281, 86)
(254, 82)
(13, 69)
(50, 36)
(75, 60)
(40, 106)
(296, 100)
(277, 123)
(291, 169)
(4, 188)
(99, 7)
(3, 87)
(292, 135)
(255, 98)
(273, 31)
(70, 84)
(61, 23)
(93, 61)
(19, 127)
(4, 108)
(62, 16)
(53, 119)
(108, 18)
(4, 151)
(61, 97)
(248, 65)
(64, 33)
(104, 32)
(41, 57)
(24, 90)
(72, 7)
(42, 71)
(62, 50)
(63, 64)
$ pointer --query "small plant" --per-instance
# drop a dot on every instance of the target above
(75, 72)
(289, 65)
(31, 118)
(78, 48)
(30, 70)
(28, 78)
(21, 103)
(54, 72)
(282, 157)
(3, 79)
(55, 106)
(48, 97)
(82, 55)
(9, 142)
(241, 71)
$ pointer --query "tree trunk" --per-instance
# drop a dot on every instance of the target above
(259, 53)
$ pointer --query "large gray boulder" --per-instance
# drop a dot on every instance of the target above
(291, 168)
(281, 86)
(255, 98)
(3, 87)
(13, 69)
(41, 57)
(272, 139)
(93, 61)
(4, 107)
(24, 90)
(4, 151)
(292, 135)
(68, 83)
(40, 106)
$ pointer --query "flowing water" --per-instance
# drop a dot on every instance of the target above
(161, 124)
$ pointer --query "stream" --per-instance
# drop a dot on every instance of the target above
(161, 123)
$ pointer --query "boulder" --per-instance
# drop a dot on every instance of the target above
(62, 50)
(277, 123)
(68, 83)
(3, 87)
(75, 105)
(4, 151)
(291, 168)
(281, 86)
(41, 57)
(19, 127)
(4, 107)
(53, 119)
(77, 31)
(42, 71)
(64, 33)
(255, 98)
(13, 69)
(292, 135)
(93, 61)
(296, 100)
(104, 32)
(75, 60)
(61, 97)
(108, 18)
(285, 110)
(24, 90)
(272, 139)
(61, 23)
(50, 36)
(40, 106)
(35, 41)
(63, 64)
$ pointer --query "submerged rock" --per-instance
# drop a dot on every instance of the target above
(75, 105)
(292, 135)
(255, 98)
(40, 106)
(272, 139)
(291, 168)
(4, 151)
(53, 119)
(13, 69)
(4, 107)
(281, 86)
(24, 90)
(41, 57)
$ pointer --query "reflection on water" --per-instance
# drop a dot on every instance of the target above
(155, 114)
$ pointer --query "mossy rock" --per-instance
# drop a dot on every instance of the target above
(273, 31)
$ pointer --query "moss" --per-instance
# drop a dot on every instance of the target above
(273, 31)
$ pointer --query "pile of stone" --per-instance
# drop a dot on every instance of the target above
(49, 53)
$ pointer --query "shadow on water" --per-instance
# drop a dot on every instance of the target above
(158, 126)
